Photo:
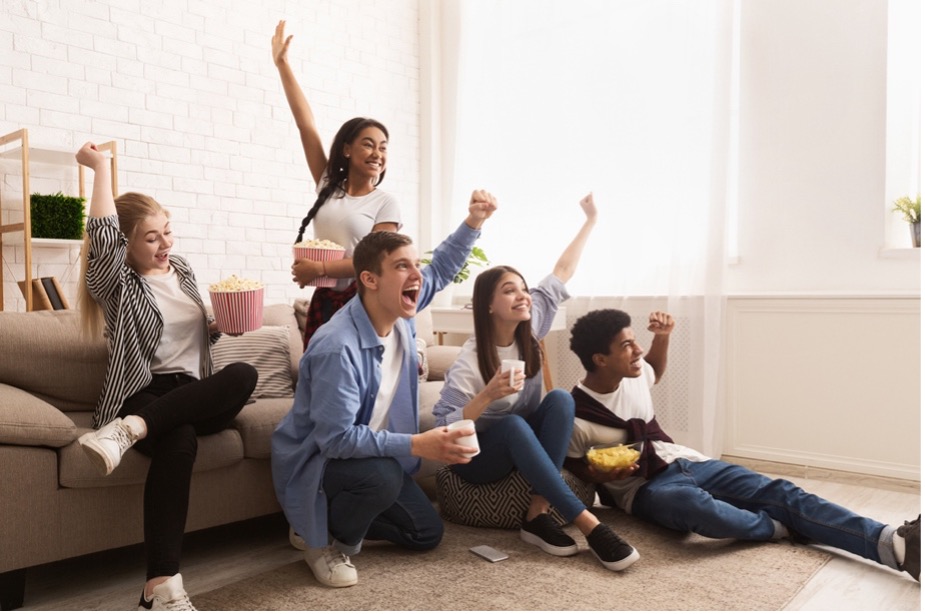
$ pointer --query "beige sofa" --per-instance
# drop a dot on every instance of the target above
(55, 505)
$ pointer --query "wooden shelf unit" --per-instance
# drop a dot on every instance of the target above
(27, 155)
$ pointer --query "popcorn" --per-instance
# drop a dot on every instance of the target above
(615, 457)
(235, 284)
(319, 244)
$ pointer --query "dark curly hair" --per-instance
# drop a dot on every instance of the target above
(593, 333)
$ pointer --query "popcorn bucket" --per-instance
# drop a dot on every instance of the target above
(321, 255)
(238, 312)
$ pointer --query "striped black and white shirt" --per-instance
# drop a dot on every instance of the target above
(133, 321)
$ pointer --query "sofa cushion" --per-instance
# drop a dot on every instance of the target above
(267, 349)
(32, 341)
(256, 423)
(75, 470)
(281, 314)
(28, 421)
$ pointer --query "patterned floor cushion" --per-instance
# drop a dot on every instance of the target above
(498, 505)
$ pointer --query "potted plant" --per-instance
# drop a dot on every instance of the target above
(56, 216)
(911, 211)
(476, 257)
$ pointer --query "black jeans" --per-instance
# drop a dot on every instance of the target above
(177, 408)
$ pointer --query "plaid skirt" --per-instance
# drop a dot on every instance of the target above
(325, 302)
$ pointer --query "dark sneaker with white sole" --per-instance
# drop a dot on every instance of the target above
(610, 549)
(545, 533)
(911, 532)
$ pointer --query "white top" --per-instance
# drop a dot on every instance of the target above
(632, 399)
(391, 368)
(182, 340)
(346, 219)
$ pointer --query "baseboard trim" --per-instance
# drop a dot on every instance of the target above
(831, 475)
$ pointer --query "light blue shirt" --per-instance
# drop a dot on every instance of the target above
(339, 377)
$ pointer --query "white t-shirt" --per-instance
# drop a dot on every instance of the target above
(346, 219)
(391, 369)
(183, 338)
(632, 399)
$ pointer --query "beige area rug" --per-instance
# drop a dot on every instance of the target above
(675, 572)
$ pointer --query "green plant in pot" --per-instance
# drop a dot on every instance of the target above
(911, 210)
(476, 257)
(56, 216)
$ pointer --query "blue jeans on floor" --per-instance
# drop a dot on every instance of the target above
(535, 446)
(373, 498)
(721, 500)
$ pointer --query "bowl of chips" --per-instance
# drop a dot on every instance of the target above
(237, 304)
(610, 456)
(320, 250)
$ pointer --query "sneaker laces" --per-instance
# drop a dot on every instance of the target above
(180, 604)
(334, 557)
(123, 437)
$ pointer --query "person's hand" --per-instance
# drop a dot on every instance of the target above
(660, 323)
(281, 43)
(305, 271)
(499, 386)
(439, 444)
(588, 206)
(481, 205)
(598, 476)
(90, 156)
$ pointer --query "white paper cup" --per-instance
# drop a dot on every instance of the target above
(321, 255)
(471, 441)
(512, 365)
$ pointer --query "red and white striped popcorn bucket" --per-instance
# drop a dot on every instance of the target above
(325, 255)
(238, 312)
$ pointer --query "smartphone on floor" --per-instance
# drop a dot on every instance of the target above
(488, 553)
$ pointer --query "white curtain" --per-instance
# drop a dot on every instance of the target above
(630, 100)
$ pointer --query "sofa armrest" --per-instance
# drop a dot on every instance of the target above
(439, 359)
(26, 420)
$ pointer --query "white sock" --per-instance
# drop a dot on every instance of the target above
(899, 548)
(136, 425)
(780, 531)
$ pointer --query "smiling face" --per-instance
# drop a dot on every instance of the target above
(624, 358)
(149, 246)
(393, 293)
(511, 301)
(367, 153)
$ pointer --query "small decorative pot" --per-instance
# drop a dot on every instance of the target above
(915, 229)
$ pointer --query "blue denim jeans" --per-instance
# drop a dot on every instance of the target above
(373, 498)
(721, 500)
(535, 446)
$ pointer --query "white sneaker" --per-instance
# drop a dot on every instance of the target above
(106, 446)
(167, 595)
(296, 541)
(331, 567)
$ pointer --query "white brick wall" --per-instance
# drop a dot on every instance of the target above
(188, 90)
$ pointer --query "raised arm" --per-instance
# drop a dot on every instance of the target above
(298, 104)
(568, 261)
(102, 202)
(661, 324)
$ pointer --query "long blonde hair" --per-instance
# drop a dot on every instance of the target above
(132, 209)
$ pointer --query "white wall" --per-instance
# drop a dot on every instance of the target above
(189, 91)
(813, 158)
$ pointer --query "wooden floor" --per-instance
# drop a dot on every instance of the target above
(217, 557)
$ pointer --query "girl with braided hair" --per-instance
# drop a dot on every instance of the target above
(350, 204)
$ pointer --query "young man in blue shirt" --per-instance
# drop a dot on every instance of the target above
(343, 456)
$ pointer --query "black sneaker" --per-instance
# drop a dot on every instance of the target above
(543, 531)
(610, 549)
(911, 533)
